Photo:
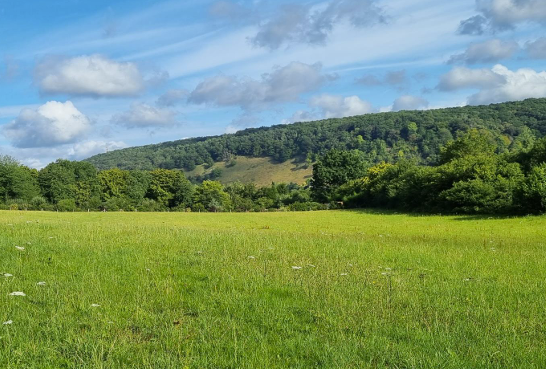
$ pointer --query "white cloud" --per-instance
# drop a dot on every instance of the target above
(82, 150)
(334, 106)
(499, 15)
(284, 84)
(486, 52)
(93, 75)
(143, 115)
(520, 84)
(496, 85)
(537, 48)
(52, 124)
(461, 77)
(408, 102)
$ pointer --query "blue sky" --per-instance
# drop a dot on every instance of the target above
(81, 77)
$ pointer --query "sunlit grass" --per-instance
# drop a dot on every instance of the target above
(271, 290)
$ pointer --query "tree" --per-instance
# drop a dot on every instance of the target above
(333, 170)
(472, 143)
(211, 196)
(17, 181)
(169, 188)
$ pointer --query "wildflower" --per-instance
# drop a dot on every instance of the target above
(95, 305)
(18, 293)
(41, 283)
(311, 265)
(296, 268)
(7, 275)
(9, 322)
(344, 274)
(20, 248)
(252, 257)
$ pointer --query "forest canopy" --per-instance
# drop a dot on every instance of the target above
(384, 137)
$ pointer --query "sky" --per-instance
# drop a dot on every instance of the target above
(78, 78)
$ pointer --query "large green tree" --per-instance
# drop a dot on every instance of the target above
(334, 169)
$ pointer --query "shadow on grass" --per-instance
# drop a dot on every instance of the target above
(454, 216)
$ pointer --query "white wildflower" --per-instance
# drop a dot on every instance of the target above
(9, 322)
(17, 293)
(95, 305)
(296, 267)
(7, 275)
(252, 257)
(20, 248)
(41, 283)
(311, 265)
(344, 274)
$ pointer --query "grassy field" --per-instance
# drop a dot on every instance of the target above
(271, 290)
(261, 171)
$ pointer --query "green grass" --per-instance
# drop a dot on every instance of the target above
(218, 291)
(261, 171)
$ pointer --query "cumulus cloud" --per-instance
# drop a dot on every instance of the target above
(172, 97)
(500, 15)
(461, 77)
(408, 102)
(93, 75)
(52, 124)
(490, 51)
(536, 49)
(520, 84)
(497, 85)
(306, 24)
(142, 115)
(284, 84)
(82, 150)
(334, 106)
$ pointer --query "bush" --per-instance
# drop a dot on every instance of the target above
(67, 205)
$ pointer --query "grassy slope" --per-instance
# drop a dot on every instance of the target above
(182, 290)
(261, 171)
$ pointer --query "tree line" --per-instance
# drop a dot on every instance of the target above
(78, 186)
(470, 177)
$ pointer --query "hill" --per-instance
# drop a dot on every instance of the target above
(381, 137)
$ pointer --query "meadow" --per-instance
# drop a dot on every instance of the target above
(336, 289)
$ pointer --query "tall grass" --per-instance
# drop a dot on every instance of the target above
(271, 290)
